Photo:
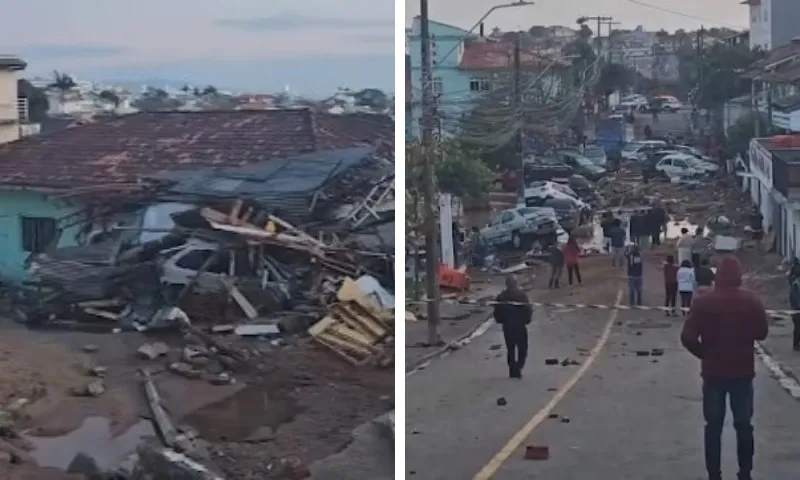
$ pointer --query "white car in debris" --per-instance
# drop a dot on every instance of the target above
(669, 103)
(520, 227)
(679, 165)
(637, 151)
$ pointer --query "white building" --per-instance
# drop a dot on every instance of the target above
(773, 22)
(11, 109)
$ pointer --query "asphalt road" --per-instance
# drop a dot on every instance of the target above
(630, 417)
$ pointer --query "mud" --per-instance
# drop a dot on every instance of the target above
(94, 438)
(236, 418)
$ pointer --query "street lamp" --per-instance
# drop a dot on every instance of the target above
(520, 3)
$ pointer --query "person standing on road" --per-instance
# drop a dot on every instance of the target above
(686, 284)
(703, 274)
(721, 330)
(670, 286)
(635, 227)
(685, 244)
(556, 260)
(635, 273)
(658, 218)
(617, 236)
(606, 224)
(794, 301)
(514, 312)
(572, 256)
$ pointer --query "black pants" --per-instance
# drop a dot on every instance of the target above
(740, 394)
(671, 295)
(686, 299)
(655, 238)
(555, 275)
(573, 269)
(516, 337)
(695, 260)
(796, 332)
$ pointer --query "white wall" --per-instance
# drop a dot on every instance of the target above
(8, 106)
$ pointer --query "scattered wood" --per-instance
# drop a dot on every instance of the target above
(164, 426)
(237, 296)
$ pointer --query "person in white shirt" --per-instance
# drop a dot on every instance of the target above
(686, 284)
(685, 244)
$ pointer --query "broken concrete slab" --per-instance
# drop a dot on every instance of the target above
(157, 462)
(252, 330)
(151, 351)
(367, 456)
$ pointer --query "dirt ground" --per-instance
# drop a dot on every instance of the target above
(308, 397)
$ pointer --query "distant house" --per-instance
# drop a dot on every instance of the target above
(466, 67)
(58, 182)
(773, 22)
(10, 111)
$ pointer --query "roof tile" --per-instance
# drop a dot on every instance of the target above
(125, 149)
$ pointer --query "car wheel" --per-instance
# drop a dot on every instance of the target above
(516, 240)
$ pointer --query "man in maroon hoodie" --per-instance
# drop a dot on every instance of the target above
(721, 329)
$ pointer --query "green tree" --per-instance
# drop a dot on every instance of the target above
(62, 81)
(210, 90)
(458, 171)
(716, 76)
(740, 133)
(110, 96)
(538, 31)
(614, 77)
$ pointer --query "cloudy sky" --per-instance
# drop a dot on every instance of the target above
(689, 13)
(313, 46)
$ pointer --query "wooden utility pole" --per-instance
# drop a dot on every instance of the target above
(518, 111)
(428, 151)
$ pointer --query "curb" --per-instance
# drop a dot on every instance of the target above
(786, 379)
(458, 342)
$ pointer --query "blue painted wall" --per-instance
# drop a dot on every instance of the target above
(455, 97)
(15, 204)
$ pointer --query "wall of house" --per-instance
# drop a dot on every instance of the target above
(760, 33)
(783, 15)
(9, 114)
(454, 88)
(15, 204)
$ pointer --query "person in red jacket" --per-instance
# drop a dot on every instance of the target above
(721, 329)
(572, 255)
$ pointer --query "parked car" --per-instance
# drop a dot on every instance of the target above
(678, 165)
(581, 165)
(669, 103)
(522, 226)
(596, 154)
(689, 150)
(546, 171)
(635, 101)
(639, 151)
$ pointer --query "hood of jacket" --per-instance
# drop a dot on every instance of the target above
(729, 273)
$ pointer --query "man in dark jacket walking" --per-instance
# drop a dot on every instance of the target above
(556, 260)
(514, 312)
(794, 301)
(721, 328)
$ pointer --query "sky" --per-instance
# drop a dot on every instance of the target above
(465, 13)
(314, 46)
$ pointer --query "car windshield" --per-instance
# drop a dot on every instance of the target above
(632, 147)
(582, 161)
(594, 152)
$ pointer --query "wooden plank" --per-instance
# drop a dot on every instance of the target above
(366, 321)
(247, 307)
(102, 314)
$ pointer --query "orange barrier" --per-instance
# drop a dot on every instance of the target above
(454, 278)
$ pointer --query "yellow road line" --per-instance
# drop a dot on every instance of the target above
(516, 441)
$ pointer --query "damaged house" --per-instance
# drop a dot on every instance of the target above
(191, 201)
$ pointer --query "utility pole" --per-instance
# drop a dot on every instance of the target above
(518, 110)
(701, 38)
(428, 149)
(610, 23)
(597, 35)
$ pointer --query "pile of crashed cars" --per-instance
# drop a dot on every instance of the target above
(243, 271)
(561, 195)
(670, 162)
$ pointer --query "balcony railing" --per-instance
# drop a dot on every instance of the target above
(22, 109)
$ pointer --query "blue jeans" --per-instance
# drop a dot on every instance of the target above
(740, 392)
(635, 290)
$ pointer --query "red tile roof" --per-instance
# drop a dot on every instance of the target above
(500, 55)
(124, 149)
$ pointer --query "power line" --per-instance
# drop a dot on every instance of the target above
(682, 14)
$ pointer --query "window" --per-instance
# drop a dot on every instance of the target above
(478, 84)
(437, 85)
(37, 233)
